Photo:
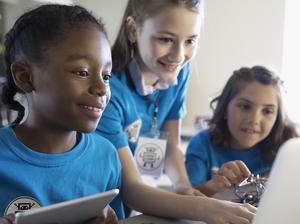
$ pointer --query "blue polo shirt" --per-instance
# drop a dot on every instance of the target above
(127, 109)
(202, 156)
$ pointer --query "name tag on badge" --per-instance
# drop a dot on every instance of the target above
(150, 155)
(133, 130)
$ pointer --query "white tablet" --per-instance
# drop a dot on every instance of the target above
(73, 211)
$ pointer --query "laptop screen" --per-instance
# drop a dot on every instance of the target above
(280, 200)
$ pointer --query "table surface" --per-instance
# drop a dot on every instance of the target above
(146, 219)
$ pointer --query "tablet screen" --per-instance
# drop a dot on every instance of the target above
(73, 211)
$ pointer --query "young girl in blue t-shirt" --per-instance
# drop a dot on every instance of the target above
(247, 128)
(59, 57)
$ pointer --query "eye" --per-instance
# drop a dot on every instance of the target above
(165, 40)
(106, 77)
(81, 73)
(191, 41)
(244, 106)
(268, 111)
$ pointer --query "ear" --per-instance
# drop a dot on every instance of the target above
(22, 76)
(131, 29)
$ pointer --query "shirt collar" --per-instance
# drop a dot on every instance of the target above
(139, 83)
(138, 79)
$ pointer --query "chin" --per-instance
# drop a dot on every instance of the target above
(88, 128)
(248, 146)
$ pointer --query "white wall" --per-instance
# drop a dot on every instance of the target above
(110, 10)
(236, 33)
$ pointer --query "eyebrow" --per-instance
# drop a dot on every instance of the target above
(248, 101)
(174, 35)
(74, 57)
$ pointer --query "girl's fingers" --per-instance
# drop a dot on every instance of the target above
(229, 174)
(9, 219)
(250, 208)
(243, 168)
(111, 217)
(236, 171)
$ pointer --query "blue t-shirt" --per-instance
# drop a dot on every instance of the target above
(127, 110)
(202, 156)
(31, 179)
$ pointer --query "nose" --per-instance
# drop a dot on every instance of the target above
(255, 117)
(177, 53)
(98, 86)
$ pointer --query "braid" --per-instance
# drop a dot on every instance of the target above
(34, 31)
(10, 89)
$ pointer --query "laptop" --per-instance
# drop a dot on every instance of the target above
(68, 212)
(280, 200)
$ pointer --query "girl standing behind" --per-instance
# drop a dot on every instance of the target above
(246, 130)
(151, 56)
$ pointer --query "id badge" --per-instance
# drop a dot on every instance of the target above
(150, 153)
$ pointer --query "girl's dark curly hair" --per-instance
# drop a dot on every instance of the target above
(31, 34)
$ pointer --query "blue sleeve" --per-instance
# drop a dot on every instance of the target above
(110, 125)
(113, 119)
(117, 203)
(178, 109)
(197, 159)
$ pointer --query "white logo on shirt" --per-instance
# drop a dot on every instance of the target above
(21, 204)
(133, 130)
(149, 156)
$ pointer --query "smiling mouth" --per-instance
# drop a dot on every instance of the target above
(249, 131)
(95, 109)
(169, 67)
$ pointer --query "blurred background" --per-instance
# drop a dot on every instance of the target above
(236, 33)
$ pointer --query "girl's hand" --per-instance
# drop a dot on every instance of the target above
(234, 171)
(4, 221)
(230, 173)
(108, 216)
(229, 212)
(9, 219)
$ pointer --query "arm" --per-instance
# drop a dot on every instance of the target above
(202, 156)
(159, 202)
(174, 163)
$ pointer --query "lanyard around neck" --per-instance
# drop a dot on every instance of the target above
(149, 100)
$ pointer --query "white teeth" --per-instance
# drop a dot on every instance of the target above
(92, 108)
(171, 67)
(249, 131)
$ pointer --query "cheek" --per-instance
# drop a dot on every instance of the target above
(231, 115)
(158, 50)
(108, 94)
(268, 125)
(231, 123)
(190, 53)
(234, 121)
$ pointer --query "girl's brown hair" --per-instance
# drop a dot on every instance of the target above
(140, 10)
(283, 128)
